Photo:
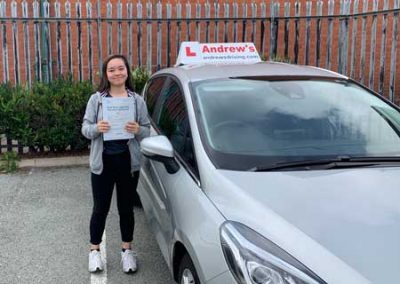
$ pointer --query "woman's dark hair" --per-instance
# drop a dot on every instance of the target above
(105, 84)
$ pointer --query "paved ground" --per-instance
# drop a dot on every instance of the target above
(44, 215)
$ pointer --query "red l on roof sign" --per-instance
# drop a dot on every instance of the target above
(193, 52)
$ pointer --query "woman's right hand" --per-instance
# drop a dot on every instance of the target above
(103, 126)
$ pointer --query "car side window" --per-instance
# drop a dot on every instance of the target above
(153, 92)
(173, 122)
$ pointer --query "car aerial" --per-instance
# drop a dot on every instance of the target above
(271, 173)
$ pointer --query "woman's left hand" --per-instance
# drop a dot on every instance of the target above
(132, 127)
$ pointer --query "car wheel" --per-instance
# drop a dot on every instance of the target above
(187, 272)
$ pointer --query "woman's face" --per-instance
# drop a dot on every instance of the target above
(117, 72)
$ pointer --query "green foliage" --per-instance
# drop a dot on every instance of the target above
(283, 59)
(140, 76)
(57, 113)
(13, 108)
(276, 58)
(9, 162)
(47, 115)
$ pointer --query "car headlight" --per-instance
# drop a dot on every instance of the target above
(254, 259)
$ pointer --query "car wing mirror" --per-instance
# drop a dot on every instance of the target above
(158, 148)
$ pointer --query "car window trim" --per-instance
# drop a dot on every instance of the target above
(169, 78)
(161, 90)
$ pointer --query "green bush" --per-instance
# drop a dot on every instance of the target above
(14, 119)
(47, 115)
(9, 162)
(57, 113)
(276, 58)
(140, 76)
(6, 107)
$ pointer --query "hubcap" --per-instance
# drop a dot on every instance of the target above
(187, 277)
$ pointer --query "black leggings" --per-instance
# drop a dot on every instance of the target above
(116, 170)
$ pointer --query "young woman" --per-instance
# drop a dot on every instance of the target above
(114, 162)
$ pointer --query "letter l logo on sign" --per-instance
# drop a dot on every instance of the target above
(189, 52)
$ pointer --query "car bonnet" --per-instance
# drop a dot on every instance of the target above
(341, 223)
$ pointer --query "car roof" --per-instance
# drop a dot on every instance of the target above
(193, 73)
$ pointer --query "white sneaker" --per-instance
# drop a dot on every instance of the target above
(128, 261)
(95, 261)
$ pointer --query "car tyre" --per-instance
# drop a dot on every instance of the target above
(187, 272)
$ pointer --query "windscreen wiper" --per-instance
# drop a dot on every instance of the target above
(339, 162)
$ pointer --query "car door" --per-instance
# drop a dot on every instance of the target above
(170, 118)
(153, 196)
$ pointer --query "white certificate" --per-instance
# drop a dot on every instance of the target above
(117, 112)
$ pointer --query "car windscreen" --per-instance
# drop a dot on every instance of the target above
(249, 122)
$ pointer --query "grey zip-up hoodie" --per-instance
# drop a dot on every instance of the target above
(94, 113)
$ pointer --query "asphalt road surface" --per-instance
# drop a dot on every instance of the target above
(44, 233)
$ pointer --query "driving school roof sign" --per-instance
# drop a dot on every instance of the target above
(193, 52)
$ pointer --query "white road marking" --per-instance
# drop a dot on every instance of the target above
(101, 278)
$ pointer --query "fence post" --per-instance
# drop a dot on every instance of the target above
(109, 28)
(15, 40)
(331, 7)
(286, 34)
(343, 37)
(57, 8)
(353, 40)
(139, 15)
(297, 6)
(226, 16)
(235, 7)
(273, 48)
(119, 16)
(129, 15)
(78, 9)
(159, 39)
(263, 8)
(308, 33)
(168, 49)
(27, 54)
(67, 6)
(244, 22)
(3, 11)
(198, 16)
(44, 37)
(216, 16)
(149, 12)
(363, 42)
(89, 15)
(254, 24)
(372, 47)
(36, 32)
(393, 61)
(318, 35)
(99, 36)
(383, 49)
(178, 7)
(188, 16)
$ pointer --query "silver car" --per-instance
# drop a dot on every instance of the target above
(272, 173)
